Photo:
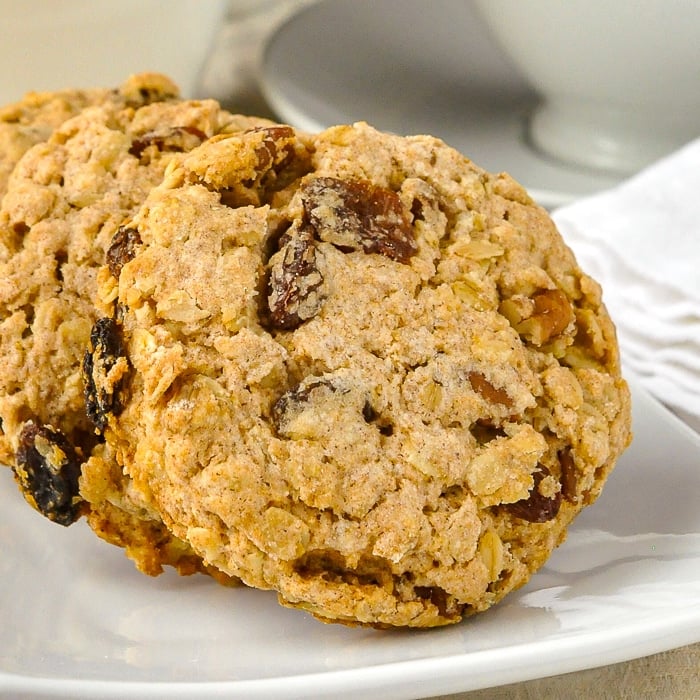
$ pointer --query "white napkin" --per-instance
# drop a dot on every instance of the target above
(641, 241)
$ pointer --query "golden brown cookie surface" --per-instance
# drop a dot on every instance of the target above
(359, 370)
(33, 119)
(78, 163)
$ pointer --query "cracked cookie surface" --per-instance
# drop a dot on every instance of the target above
(75, 165)
(33, 119)
(359, 370)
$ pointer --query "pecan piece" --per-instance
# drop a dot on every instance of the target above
(47, 471)
(537, 508)
(104, 371)
(357, 215)
(553, 312)
(540, 318)
(179, 139)
(488, 391)
(122, 249)
(296, 286)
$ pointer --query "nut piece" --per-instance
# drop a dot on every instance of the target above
(296, 288)
(538, 508)
(104, 371)
(540, 318)
(47, 472)
(553, 312)
(357, 215)
(122, 249)
(488, 391)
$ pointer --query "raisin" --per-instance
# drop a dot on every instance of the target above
(122, 249)
(21, 229)
(276, 148)
(368, 412)
(569, 479)
(358, 215)
(47, 470)
(537, 508)
(177, 139)
(296, 285)
(104, 369)
(296, 398)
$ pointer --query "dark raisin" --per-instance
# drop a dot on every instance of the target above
(296, 286)
(368, 412)
(313, 394)
(178, 139)
(358, 215)
(295, 399)
(47, 470)
(537, 508)
(122, 249)
(104, 371)
(569, 478)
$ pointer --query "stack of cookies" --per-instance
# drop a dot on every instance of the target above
(351, 367)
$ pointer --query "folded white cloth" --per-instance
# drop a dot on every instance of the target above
(641, 241)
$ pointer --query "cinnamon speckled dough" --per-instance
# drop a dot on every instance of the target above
(359, 370)
(32, 120)
(79, 163)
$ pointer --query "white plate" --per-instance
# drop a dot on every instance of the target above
(410, 69)
(77, 621)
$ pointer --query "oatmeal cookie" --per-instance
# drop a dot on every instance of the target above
(357, 369)
(66, 196)
(33, 119)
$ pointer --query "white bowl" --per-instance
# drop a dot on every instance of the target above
(620, 79)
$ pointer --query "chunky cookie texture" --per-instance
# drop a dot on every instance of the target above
(75, 165)
(359, 370)
(33, 119)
